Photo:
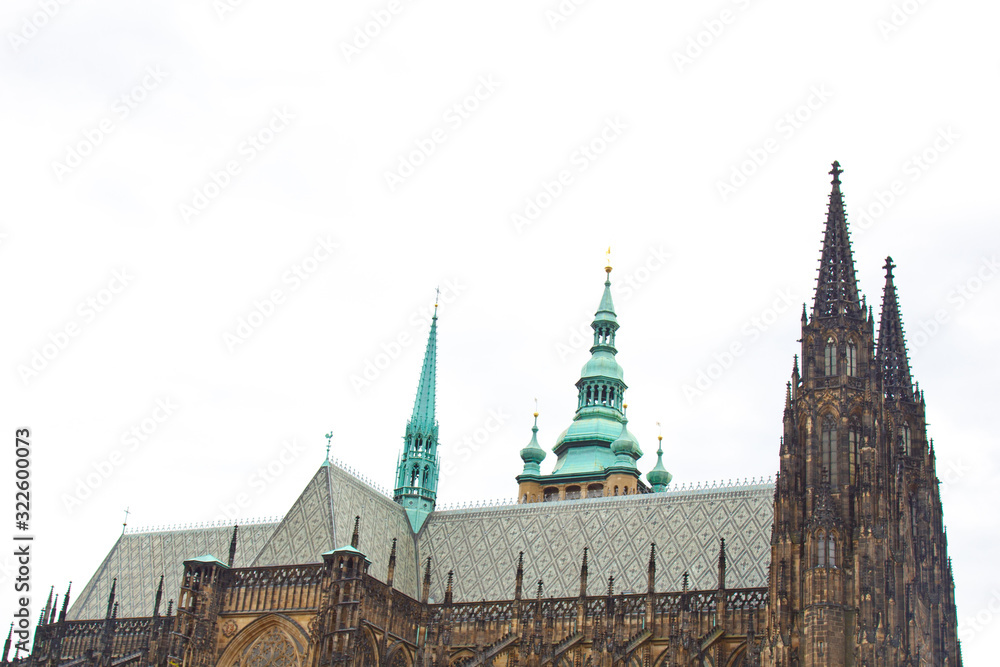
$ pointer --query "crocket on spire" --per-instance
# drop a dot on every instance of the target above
(836, 287)
(891, 356)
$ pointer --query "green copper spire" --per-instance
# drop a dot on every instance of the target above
(585, 446)
(423, 406)
(417, 470)
(658, 477)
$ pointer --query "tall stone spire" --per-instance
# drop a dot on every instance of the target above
(836, 287)
(893, 363)
(417, 470)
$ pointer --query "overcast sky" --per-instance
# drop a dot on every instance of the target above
(223, 223)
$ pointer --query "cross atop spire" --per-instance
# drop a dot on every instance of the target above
(836, 287)
(891, 356)
(836, 171)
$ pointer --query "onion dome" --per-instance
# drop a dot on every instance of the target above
(626, 446)
(658, 477)
(533, 454)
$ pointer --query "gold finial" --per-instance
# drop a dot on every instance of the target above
(660, 435)
(536, 407)
(608, 256)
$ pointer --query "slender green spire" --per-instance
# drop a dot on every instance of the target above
(417, 470)
(424, 404)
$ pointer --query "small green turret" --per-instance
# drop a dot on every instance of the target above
(533, 454)
(658, 477)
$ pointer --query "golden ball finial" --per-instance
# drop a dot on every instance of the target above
(607, 268)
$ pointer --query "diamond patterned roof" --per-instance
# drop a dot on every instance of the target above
(481, 545)
(323, 519)
(138, 560)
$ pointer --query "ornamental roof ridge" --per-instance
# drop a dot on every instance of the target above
(690, 489)
(357, 475)
(204, 525)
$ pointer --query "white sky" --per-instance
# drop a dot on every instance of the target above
(516, 295)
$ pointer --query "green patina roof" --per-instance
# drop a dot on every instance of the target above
(626, 443)
(602, 364)
(584, 460)
(658, 476)
(606, 311)
(346, 549)
(423, 406)
(207, 558)
(599, 427)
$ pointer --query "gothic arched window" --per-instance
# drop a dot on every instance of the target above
(853, 440)
(828, 443)
(906, 440)
(826, 550)
(830, 357)
(852, 359)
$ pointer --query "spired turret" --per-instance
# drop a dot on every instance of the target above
(658, 477)
(597, 454)
(417, 470)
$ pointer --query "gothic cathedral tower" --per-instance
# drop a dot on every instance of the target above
(859, 571)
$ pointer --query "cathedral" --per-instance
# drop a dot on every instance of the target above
(840, 560)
